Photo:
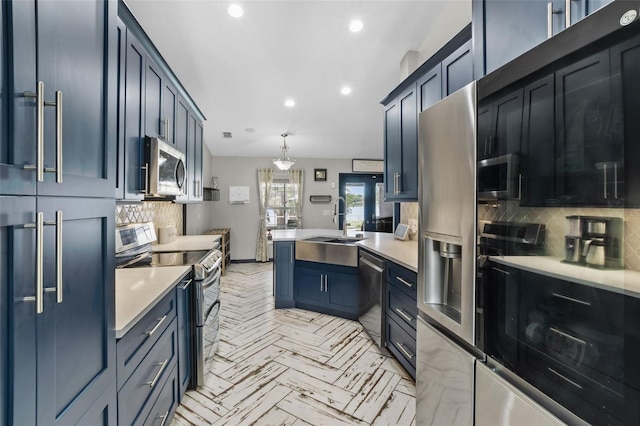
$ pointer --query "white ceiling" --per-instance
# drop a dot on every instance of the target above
(239, 71)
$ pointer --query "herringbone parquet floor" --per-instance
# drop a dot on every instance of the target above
(293, 367)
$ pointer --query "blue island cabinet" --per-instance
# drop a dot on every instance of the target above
(329, 289)
(283, 266)
(57, 281)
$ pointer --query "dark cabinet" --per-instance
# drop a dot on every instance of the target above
(429, 88)
(131, 177)
(499, 126)
(401, 148)
(401, 313)
(457, 69)
(153, 99)
(62, 307)
(169, 111)
(283, 267)
(538, 143)
(583, 106)
(504, 30)
(185, 334)
(326, 288)
(75, 75)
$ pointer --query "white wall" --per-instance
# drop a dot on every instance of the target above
(243, 218)
(455, 15)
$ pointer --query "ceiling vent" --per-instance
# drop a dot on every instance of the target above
(226, 135)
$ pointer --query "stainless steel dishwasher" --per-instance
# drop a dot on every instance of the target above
(372, 296)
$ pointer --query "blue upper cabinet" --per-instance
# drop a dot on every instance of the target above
(401, 147)
(457, 69)
(169, 111)
(153, 100)
(503, 30)
(64, 120)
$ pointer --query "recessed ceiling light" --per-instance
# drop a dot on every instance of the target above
(356, 25)
(345, 90)
(289, 103)
(235, 10)
(250, 130)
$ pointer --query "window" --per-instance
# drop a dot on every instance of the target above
(281, 206)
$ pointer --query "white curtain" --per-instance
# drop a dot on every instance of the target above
(296, 178)
(265, 178)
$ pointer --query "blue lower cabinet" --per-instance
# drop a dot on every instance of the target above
(167, 402)
(185, 335)
(105, 410)
(142, 389)
(325, 288)
(283, 265)
(401, 345)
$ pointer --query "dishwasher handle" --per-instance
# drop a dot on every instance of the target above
(371, 264)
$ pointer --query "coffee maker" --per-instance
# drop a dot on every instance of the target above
(594, 241)
(573, 245)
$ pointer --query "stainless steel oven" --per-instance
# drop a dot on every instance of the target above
(207, 309)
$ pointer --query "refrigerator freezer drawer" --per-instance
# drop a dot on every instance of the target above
(444, 380)
(500, 403)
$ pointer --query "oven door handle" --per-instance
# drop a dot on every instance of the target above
(210, 309)
(211, 279)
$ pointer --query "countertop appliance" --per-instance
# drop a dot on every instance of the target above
(446, 261)
(372, 295)
(134, 249)
(594, 241)
(165, 170)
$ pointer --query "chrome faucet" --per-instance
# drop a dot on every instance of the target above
(336, 214)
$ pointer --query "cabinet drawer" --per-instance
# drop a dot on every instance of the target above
(403, 278)
(401, 345)
(166, 404)
(133, 346)
(137, 396)
(402, 308)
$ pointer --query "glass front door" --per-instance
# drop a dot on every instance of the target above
(365, 206)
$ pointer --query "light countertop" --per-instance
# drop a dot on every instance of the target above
(618, 280)
(188, 243)
(139, 289)
(404, 253)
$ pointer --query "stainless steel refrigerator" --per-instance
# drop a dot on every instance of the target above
(447, 261)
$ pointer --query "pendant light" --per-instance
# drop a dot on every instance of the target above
(284, 162)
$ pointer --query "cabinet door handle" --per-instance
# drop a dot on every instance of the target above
(326, 283)
(185, 285)
(564, 378)
(291, 256)
(408, 284)
(153, 330)
(162, 365)
(164, 418)
(550, 13)
(321, 282)
(570, 299)
(520, 186)
(567, 16)
(404, 350)
(604, 172)
(39, 166)
(404, 315)
(502, 271)
(615, 180)
(59, 256)
(58, 169)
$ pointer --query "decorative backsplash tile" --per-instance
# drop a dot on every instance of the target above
(554, 220)
(161, 213)
(409, 211)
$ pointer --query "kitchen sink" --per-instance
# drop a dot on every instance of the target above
(330, 250)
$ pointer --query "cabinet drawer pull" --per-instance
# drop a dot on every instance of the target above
(164, 418)
(502, 271)
(564, 378)
(567, 335)
(571, 299)
(185, 285)
(404, 351)
(153, 330)
(408, 284)
(404, 315)
(162, 365)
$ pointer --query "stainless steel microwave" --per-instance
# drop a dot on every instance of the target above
(499, 178)
(165, 169)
